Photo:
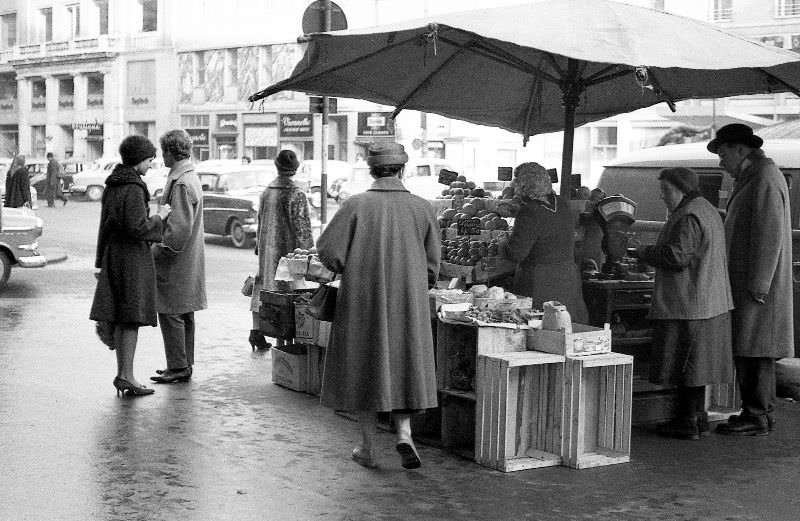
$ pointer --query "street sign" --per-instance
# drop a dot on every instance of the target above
(505, 173)
(315, 105)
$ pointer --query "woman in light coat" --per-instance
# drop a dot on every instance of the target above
(385, 243)
(691, 302)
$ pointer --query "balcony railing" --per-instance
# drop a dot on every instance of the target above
(38, 103)
(150, 40)
(8, 105)
(94, 101)
(66, 101)
(102, 43)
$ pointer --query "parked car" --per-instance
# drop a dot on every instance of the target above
(92, 181)
(231, 195)
(309, 178)
(37, 170)
(19, 231)
(636, 175)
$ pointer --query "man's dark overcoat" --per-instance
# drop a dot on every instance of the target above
(759, 237)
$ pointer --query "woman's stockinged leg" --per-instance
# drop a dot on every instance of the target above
(364, 454)
(125, 339)
(405, 444)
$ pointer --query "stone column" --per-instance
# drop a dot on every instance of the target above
(24, 110)
(52, 132)
(81, 83)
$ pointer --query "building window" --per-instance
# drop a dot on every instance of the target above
(46, 24)
(721, 10)
(195, 120)
(141, 83)
(9, 28)
(604, 144)
(102, 12)
(200, 68)
(149, 15)
(74, 15)
(95, 91)
(787, 8)
(775, 41)
(142, 128)
(38, 94)
(506, 157)
(8, 87)
(66, 93)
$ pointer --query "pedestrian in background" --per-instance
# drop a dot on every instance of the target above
(759, 237)
(691, 303)
(180, 259)
(542, 244)
(283, 226)
(53, 182)
(125, 296)
(18, 185)
(385, 243)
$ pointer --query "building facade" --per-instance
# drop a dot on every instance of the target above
(76, 76)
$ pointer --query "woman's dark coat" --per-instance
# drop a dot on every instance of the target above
(542, 245)
(18, 189)
(126, 287)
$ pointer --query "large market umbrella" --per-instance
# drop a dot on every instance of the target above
(539, 67)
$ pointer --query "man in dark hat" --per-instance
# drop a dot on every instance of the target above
(759, 240)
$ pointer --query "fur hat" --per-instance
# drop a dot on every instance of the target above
(135, 149)
(287, 161)
(735, 133)
(386, 153)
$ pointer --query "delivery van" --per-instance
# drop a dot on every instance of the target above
(636, 177)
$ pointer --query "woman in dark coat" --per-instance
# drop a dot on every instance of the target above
(283, 226)
(125, 296)
(18, 186)
(691, 302)
(542, 244)
(386, 244)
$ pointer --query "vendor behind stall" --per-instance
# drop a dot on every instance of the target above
(542, 244)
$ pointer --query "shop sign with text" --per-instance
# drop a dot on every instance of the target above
(375, 124)
(227, 123)
(199, 136)
(296, 125)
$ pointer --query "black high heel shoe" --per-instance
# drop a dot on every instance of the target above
(257, 340)
(124, 386)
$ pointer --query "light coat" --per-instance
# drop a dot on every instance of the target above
(283, 226)
(386, 244)
(759, 237)
(180, 257)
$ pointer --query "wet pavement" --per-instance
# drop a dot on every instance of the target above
(230, 445)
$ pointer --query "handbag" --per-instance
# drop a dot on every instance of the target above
(247, 287)
(323, 303)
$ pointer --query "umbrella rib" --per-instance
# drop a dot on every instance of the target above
(400, 106)
(595, 79)
(791, 88)
(492, 51)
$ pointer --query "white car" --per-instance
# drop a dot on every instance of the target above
(92, 181)
(421, 178)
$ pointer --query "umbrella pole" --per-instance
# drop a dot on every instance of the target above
(567, 149)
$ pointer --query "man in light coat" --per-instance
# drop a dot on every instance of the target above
(759, 242)
(180, 259)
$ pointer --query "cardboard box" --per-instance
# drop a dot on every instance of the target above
(289, 366)
(316, 367)
(519, 410)
(598, 394)
(304, 324)
(584, 340)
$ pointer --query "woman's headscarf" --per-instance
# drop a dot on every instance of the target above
(532, 180)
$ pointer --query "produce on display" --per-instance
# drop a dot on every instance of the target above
(468, 252)
(461, 188)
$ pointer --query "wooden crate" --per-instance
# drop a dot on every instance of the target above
(323, 335)
(584, 340)
(315, 366)
(457, 348)
(289, 366)
(598, 391)
(518, 410)
(305, 325)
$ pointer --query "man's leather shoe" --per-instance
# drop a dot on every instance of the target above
(170, 376)
(683, 429)
(744, 426)
(162, 371)
(770, 420)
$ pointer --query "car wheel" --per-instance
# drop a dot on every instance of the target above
(5, 268)
(239, 238)
(94, 193)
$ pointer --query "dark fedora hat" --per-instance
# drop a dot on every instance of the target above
(386, 153)
(735, 133)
